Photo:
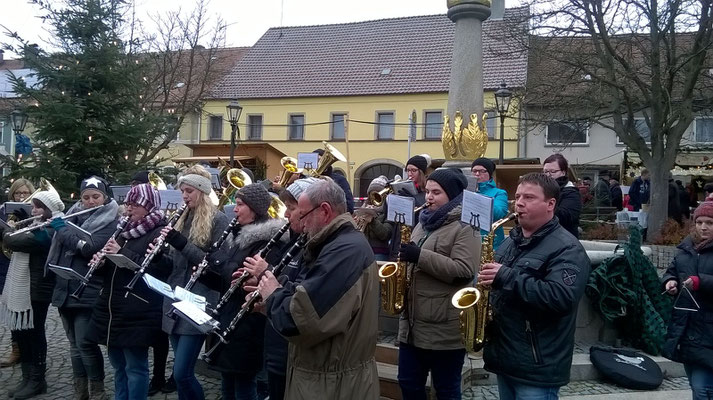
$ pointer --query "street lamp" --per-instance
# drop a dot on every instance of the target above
(19, 120)
(234, 110)
(502, 102)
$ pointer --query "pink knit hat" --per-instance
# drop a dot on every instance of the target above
(704, 210)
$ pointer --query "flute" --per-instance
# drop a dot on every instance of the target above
(245, 275)
(47, 223)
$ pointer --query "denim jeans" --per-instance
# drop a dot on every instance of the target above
(131, 372)
(33, 342)
(87, 359)
(239, 386)
(508, 389)
(445, 367)
(186, 349)
(701, 381)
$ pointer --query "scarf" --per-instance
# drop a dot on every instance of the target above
(432, 220)
(141, 227)
(698, 242)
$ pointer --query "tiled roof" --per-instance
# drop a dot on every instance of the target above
(354, 58)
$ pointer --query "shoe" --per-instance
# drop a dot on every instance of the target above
(26, 368)
(81, 389)
(96, 390)
(36, 384)
(170, 385)
(156, 384)
(13, 358)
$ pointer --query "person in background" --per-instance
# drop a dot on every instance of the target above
(377, 229)
(683, 200)
(617, 197)
(139, 178)
(674, 201)
(340, 180)
(689, 339)
(416, 172)
(640, 190)
(569, 204)
(483, 169)
(601, 194)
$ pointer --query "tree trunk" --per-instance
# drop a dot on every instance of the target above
(658, 208)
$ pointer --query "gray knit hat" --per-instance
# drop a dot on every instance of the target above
(51, 200)
(256, 197)
(197, 181)
(377, 184)
(299, 186)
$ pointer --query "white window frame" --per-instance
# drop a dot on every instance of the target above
(695, 130)
(618, 139)
(439, 128)
(378, 125)
(345, 116)
(290, 124)
(573, 144)
(250, 126)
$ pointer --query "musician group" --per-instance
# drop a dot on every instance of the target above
(297, 298)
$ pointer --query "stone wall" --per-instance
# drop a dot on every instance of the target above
(661, 257)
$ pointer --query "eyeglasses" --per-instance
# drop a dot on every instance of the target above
(412, 170)
(22, 193)
(310, 211)
(550, 171)
(479, 171)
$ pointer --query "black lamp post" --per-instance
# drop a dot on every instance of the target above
(19, 120)
(234, 110)
(502, 102)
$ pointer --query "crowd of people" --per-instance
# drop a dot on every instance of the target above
(304, 323)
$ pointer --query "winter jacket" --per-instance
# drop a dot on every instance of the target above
(449, 260)
(602, 194)
(617, 198)
(68, 250)
(569, 206)
(344, 184)
(690, 334)
(500, 208)
(378, 232)
(684, 201)
(41, 283)
(134, 320)
(674, 205)
(330, 317)
(243, 352)
(639, 193)
(183, 262)
(534, 299)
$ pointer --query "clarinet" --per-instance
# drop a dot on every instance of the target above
(204, 263)
(93, 265)
(245, 275)
(157, 249)
(254, 298)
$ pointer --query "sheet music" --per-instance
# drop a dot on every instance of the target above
(184, 295)
(477, 210)
(307, 160)
(83, 235)
(195, 314)
(400, 209)
(120, 193)
(159, 286)
(408, 185)
(122, 261)
(171, 200)
(66, 273)
(12, 206)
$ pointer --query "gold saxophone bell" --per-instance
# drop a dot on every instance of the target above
(393, 284)
(465, 300)
(156, 181)
(330, 156)
(235, 178)
(289, 165)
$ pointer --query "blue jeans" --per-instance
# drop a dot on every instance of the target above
(131, 372)
(445, 367)
(238, 386)
(87, 359)
(701, 381)
(508, 389)
(381, 257)
(186, 349)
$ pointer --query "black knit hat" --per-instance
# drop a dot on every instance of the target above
(452, 181)
(94, 183)
(256, 197)
(486, 163)
(419, 162)
(141, 177)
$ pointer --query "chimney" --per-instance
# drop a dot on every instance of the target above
(497, 9)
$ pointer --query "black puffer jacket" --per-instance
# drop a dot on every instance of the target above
(690, 334)
(569, 206)
(534, 300)
(37, 246)
(134, 320)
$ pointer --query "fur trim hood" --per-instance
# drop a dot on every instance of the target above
(259, 231)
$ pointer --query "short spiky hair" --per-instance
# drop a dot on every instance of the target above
(548, 184)
(327, 191)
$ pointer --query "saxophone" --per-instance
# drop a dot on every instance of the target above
(394, 280)
(474, 302)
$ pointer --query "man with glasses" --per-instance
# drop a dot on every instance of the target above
(330, 315)
(483, 169)
(569, 204)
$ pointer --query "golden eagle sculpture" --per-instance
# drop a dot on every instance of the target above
(466, 143)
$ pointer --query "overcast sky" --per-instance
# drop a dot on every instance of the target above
(247, 19)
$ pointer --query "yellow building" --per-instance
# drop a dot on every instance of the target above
(355, 86)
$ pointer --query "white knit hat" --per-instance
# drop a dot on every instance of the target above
(299, 186)
(51, 200)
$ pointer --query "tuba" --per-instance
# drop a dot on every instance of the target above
(236, 179)
(474, 302)
(290, 168)
(331, 155)
(277, 208)
(156, 181)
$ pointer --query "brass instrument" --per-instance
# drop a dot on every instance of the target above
(277, 208)
(379, 198)
(330, 156)
(394, 279)
(156, 181)
(45, 185)
(236, 179)
(361, 219)
(290, 168)
(474, 302)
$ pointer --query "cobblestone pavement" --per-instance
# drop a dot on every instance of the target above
(59, 367)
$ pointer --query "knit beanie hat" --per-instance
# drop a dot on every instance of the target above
(199, 182)
(704, 210)
(256, 197)
(141, 177)
(94, 183)
(452, 181)
(299, 186)
(419, 162)
(145, 196)
(51, 200)
(486, 163)
(377, 184)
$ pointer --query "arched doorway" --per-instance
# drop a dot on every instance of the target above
(368, 173)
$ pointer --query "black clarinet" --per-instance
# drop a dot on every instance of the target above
(157, 249)
(254, 298)
(93, 265)
(245, 275)
(204, 263)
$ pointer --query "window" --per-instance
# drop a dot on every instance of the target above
(491, 123)
(385, 126)
(567, 132)
(338, 126)
(641, 128)
(434, 125)
(254, 127)
(297, 127)
(704, 130)
(215, 127)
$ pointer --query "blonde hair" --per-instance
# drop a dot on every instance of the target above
(19, 182)
(203, 213)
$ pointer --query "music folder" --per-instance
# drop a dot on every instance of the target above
(83, 235)
(12, 206)
(67, 273)
(122, 261)
(195, 316)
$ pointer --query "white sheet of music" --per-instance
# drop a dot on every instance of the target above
(159, 286)
(192, 311)
(308, 159)
(120, 193)
(184, 295)
(400, 209)
(477, 210)
(171, 199)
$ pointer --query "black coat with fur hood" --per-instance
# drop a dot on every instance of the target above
(243, 353)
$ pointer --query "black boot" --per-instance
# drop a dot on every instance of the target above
(26, 366)
(156, 384)
(36, 384)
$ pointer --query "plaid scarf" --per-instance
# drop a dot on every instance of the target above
(141, 227)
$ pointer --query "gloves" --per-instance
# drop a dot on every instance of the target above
(404, 192)
(42, 236)
(409, 252)
(21, 214)
(175, 239)
(58, 224)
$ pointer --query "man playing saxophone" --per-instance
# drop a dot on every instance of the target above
(537, 280)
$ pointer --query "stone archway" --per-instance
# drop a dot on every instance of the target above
(372, 169)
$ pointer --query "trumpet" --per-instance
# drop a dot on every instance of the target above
(47, 223)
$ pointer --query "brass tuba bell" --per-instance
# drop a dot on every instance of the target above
(236, 179)
(277, 208)
(156, 181)
(289, 165)
(330, 156)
